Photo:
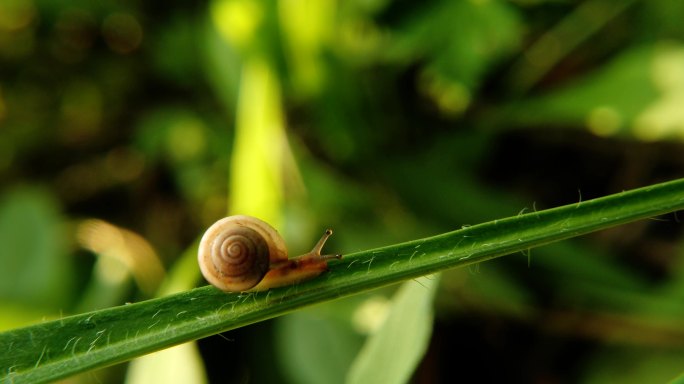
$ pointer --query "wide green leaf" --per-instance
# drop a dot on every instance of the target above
(391, 354)
(56, 349)
(34, 268)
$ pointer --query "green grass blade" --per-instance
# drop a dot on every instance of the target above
(56, 349)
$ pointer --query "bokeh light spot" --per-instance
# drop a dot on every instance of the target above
(664, 117)
(237, 20)
(668, 68)
(371, 314)
(451, 97)
(186, 140)
(604, 121)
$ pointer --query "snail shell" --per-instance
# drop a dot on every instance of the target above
(239, 253)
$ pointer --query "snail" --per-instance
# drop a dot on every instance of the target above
(240, 253)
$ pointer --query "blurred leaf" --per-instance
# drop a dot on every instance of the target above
(392, 353)
(121, 254)
(260, 146)
(59, 348)
(222, 66)
(182, 363)
(177, 365)
(661, 18)
(184, 274)
(314, 346)
(306, 28)
(35, 269)
(623, 85)
(636, 95)
(677, 380)
(580, 23)
(459, 39)
(238, 30)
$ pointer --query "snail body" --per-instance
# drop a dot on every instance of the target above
(240, 253)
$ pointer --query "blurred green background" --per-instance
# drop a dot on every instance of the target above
(127, 128)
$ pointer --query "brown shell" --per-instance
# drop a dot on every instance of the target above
(235, 252)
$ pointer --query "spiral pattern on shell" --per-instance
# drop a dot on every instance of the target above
(235, 252)
(241, 253)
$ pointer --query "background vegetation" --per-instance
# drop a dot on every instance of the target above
(126, 129)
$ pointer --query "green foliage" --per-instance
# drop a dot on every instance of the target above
(126, 129)
(35, 268)
(392, 351)
(55, 349)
